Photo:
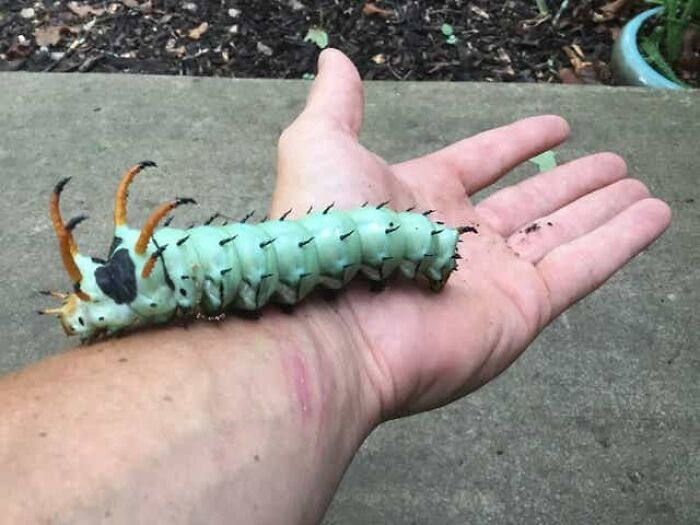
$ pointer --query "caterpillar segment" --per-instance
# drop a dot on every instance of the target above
(153, 273)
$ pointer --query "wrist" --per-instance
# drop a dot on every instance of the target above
(305, 373)
(309, 361)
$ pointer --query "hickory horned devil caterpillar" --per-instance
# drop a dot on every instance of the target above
(150, 276)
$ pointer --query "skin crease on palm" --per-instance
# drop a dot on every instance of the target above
(422, 349)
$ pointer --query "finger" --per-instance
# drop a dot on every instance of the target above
(578, 218)
(515, 206)
(575, 269)
(480, 160)
(337, 92)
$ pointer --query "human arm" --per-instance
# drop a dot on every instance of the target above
(245, 422)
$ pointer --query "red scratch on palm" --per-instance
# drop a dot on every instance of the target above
(298, 374)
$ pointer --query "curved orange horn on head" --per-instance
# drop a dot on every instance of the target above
(123, 190)
(151, 223)
(66, 243)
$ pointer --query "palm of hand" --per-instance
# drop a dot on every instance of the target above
(426, 349)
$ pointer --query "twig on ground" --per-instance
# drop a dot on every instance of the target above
(72, 47)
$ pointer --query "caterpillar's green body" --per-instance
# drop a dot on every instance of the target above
(212, 269)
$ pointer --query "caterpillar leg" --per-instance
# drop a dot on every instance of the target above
(377, 286)
(437, 286)
(287, 308)
(251, 315)
(123, 190)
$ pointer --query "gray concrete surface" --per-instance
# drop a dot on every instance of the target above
(597, 423)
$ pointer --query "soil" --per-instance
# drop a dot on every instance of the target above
(484, 40)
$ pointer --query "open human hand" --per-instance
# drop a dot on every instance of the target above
(420, 349)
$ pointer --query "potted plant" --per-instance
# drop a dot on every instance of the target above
(660, 47)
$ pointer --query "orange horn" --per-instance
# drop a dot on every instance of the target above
(151, 223)
(123, 191)
(66, 243)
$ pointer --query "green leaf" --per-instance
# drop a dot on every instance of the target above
(674, 30)
(447, 30)
(451, 40)
(650, 46)
(542, 6)
(545, 161)
(318, 36)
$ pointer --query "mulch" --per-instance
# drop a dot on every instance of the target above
(483, 40)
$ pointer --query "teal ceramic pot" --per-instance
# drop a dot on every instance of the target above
(628, 65)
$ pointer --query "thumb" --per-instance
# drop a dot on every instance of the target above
(337, 92)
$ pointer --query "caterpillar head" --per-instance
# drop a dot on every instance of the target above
(89, 311)
(103, 290)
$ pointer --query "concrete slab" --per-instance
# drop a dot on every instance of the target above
(597, 423)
